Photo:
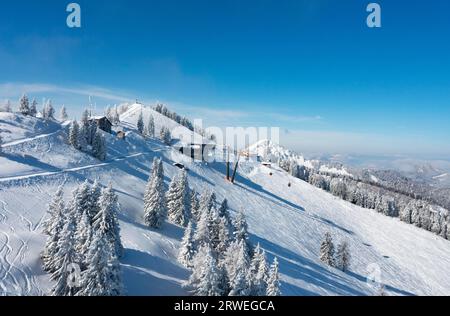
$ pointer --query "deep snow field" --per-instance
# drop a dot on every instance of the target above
(288, 222)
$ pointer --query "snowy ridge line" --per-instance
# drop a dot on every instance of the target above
(52, 173)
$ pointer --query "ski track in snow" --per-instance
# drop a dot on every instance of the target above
(15, 276)
(27, 140)
(69, 170)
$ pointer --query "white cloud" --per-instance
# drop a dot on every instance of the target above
(12, 90)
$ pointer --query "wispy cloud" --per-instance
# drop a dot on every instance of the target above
(12, 90)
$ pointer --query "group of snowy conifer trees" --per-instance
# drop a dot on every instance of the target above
(146, 130)
(86, 136)
(83, 245)
(215, 247)
(338, 258)
(175, 204)
(30, 109)
(217, 250)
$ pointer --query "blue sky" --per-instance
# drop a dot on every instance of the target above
(311, 67)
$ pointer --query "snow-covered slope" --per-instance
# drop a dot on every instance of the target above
(131, 116)
(289, 222)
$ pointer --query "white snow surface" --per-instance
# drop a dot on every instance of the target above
(288, 222)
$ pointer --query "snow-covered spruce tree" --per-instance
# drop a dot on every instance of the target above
(94, 201)
(273, 283)
(224, 238)
(195, 206)
(140, 123)
(86, 128)
(187, 250)
(83, 236)
(106, 221)
(343, 256)
(74, 135)
(80, 202)
(99, 146)
(202, 233)
(24, 105)
(241, 231)
(327, 250)
(52, 228)
(224, 213)
(33, 108)
(207, 201)
(154, 198)
(206, 280)
(48, 113)
(1, 144)
(165, 136)
(150, 128)
(63, 114)
(178, 200)
(258, 273)
(103, 276)
(239, 286)
(65, 256)
(236, 260)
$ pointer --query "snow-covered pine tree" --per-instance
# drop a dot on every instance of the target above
(80, 202)
(106, 221)
(239, 286)
(236, 260)
(327, 250)
(24, 105)
(343, 256)
(74, 135)
(53, 227)
(154, 198)
(195, 206)
(207, 201)
(187, 250)
(206, 281)
(165, 135)
(33, 108)
(241, 231)
(273, 283)
(178, 200)
(99, 146)
(54, 210)
(262, 276)
(82, 140)
(48, 113)
(63, 114)
(83, 236)
(86, 128)
(140, 123)
(224, 213)
(202, 233)
(150, 128)
(258, 273)
(65, 256)
(103, 275)
(224, 238)
(94, 198)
